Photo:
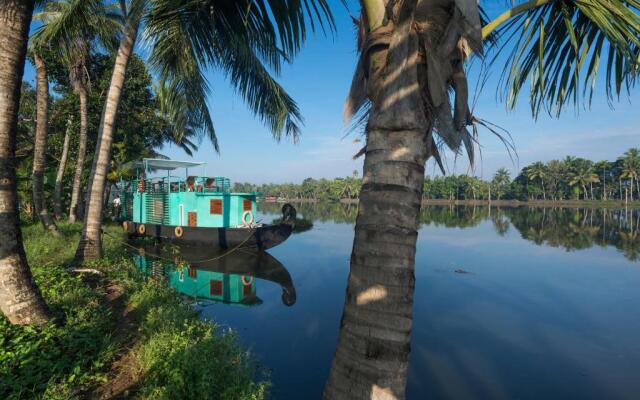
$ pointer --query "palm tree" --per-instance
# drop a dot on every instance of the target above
(604, 167)
(73, 27)
(631, 169)
(538, 171)
(555, 169)
(57, 194)
(500, 181)
(582, 175)
(240, 37)
(20, 300)
(412, 55)
(40, 141)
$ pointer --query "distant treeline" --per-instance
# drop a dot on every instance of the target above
(568, 228)
(568, 179)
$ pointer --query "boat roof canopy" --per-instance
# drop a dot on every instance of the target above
(168, 165)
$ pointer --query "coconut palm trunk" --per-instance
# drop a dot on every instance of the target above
(90, 246)
(82, 152)
(57, 194)
(40, 145)
(372, 354)
(20, 300)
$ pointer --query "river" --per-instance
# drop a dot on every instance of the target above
(524, 303)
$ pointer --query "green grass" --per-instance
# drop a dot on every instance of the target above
(177, 354)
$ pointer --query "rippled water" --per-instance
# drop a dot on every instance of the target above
(525, 303)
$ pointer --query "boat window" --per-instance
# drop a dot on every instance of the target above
(247, 205)
(215, 207)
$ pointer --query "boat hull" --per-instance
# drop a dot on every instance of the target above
(261, 238)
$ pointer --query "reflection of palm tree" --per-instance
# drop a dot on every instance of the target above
(500, 224)
(630, 244)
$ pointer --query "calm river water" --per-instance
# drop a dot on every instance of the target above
(510, 303)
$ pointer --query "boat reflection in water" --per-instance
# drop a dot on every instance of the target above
(211, 276)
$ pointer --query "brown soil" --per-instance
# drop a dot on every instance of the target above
(123, 376)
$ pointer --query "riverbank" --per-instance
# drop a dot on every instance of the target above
(116, 334)
(508, 203)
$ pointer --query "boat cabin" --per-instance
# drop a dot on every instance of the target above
(174, 198)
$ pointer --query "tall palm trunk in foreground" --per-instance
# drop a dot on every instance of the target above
(57, 194)
(40, 145)
(20, 300)
(413, 51)
(90, 246)
(372, 355)
(82, 152)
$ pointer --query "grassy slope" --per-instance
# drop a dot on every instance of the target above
(174, 353)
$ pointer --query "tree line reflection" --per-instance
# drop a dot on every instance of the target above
(567, 228)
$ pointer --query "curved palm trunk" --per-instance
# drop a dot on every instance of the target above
(372, 354)
(57, 195)
(90, 246)
(20, 300)
(82, 152)
(40, 146)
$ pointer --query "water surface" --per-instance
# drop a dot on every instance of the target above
(524, 303)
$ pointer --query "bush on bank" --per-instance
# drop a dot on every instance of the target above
(176, 354)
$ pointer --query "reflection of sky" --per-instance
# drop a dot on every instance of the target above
(527, 321)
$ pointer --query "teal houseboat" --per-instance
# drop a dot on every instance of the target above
(195, 209)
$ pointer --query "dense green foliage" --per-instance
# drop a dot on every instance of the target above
(177, 354)
(316, 189)
(568, 179)
(139, 131)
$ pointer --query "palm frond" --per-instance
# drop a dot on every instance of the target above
(245, 39)
(561, 48)
(73, 27)
(185, 112)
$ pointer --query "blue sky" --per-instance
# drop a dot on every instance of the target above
(319, 78)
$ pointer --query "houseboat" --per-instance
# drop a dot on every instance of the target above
(192, 209)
